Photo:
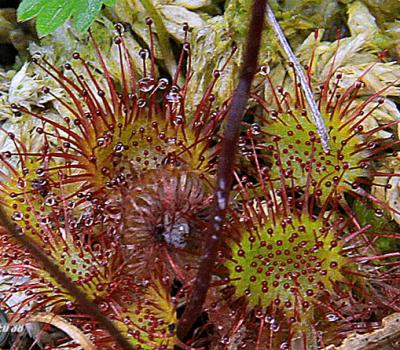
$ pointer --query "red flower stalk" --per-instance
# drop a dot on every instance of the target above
(225, 170)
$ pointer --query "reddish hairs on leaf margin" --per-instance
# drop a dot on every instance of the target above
(87, 306)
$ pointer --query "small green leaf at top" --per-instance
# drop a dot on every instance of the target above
(51, 14)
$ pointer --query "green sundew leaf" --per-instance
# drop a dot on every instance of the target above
(51, 14)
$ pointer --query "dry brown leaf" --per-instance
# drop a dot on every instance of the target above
(379, 339)
(61, 323)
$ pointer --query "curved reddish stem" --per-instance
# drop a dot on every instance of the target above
(225, 169)
(83, 302)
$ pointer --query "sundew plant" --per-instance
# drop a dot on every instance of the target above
(200, 175)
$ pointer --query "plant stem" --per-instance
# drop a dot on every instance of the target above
(315, 113)
(83, 302)
(225, 170)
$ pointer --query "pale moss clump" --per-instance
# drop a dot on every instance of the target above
(212, 47)
(220, 33)
(355, 58)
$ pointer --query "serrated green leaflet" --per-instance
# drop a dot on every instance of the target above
(29, 9)
(51, 14)
(86, 12)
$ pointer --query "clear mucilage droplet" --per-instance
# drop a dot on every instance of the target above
(331, 317)
(255, 129)
(146, 84)
(144, 54)
(119, 147)
(162, 84)
(21, 183)
(178, 120)
(265, 70)
(173, 96)
(50, 201)
(17, 216)
(141, 103)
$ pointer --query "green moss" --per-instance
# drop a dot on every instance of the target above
(380, 222)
